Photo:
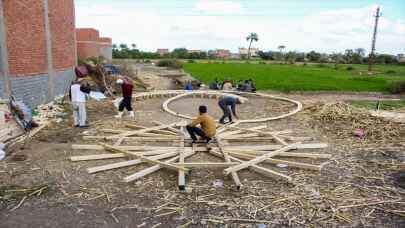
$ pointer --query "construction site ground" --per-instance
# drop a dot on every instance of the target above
(361, 186)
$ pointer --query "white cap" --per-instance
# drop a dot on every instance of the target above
(243, 100)
(120, 81)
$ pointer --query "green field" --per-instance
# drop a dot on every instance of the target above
(310, 77)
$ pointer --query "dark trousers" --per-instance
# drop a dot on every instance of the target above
(125, 103)
(227, 112)
(193, 131)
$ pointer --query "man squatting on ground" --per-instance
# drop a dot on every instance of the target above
(126, 102)
(208, 127)
(78, 98)
(225, 103)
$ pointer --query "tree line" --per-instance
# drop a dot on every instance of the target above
(349, 56)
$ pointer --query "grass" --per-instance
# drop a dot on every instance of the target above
(384, 105)
(310, 77)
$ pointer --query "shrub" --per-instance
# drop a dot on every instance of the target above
(262, 62)
(350, 68)
(391, 72)
(170, 63)
(247, 62)
(191, 61)
(321, 65)
(147, 61)
(397, 87)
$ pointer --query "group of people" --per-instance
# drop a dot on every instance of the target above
(79, 91)
(241, 86)
(203, 126)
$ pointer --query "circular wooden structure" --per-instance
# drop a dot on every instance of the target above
(215, 94)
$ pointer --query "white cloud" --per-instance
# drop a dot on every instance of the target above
(327, 31)
(218, 6)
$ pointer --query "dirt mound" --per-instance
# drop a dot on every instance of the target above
(343, 120)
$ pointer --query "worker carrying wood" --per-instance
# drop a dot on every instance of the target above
(227, 104)
(126, 101)
(77, 95)
(207, 123)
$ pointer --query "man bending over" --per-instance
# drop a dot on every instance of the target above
(207, 123)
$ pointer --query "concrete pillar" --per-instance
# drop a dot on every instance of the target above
(51, 73)
(4, 68)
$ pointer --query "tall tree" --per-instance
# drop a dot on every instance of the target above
(252, 37)
(133, 46)
(281, 47)
(360, 51)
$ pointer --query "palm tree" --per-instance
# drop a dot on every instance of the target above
(360, 51)
(252, 37)
(281, 47)
(133, 46)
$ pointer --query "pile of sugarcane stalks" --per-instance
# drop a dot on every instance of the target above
(270, 147)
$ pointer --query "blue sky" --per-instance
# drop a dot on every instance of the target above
(326, 26)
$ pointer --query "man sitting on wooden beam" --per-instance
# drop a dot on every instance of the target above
(208, 126)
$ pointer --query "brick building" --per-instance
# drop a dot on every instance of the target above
(90, 44)
(37, 49)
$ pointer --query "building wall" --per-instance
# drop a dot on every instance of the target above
(90, 44)
(25, 34)
(27, 44)
(62, 24)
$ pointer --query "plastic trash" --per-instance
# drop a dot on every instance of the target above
(2, 154)
(97, 95)
(218, 183)
(282, 165)
(2, 146)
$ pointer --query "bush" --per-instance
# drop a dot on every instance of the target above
(262, 62)
(147, 61)
(391, 72)
(191, 61)
(321, 65)
(170, 63)
(350, 68)
(397, 87)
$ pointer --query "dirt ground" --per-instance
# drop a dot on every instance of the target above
(361, 186)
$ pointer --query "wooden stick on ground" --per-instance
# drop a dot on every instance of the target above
(235, 176)
(181, 174)
(146, 159)
(258, 159)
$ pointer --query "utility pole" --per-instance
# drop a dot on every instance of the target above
(372, 53)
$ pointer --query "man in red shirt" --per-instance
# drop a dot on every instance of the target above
(127, 88)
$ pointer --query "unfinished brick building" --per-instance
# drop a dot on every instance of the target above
(37, 49)
(90, 44)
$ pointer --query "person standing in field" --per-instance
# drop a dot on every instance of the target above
(78, 98)
(207, 123)
(126, 102)
(228, 104)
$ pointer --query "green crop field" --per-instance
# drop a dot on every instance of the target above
(310, 77)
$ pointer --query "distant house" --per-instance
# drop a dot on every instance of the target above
(162, 51)
(235, 56)
(220, 53)
(254, 52)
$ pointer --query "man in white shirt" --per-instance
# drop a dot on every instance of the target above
(78, 98)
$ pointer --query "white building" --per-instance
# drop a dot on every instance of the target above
(254, 52)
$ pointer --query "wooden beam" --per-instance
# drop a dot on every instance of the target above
(127, 163)
(263, 171)
(142, 139)
(278, 139)
(152, 169)
(169, 128)
(277, 161)
(229, 133)
(96, 157)
(284, 154)
(258, 159)
(131, 133)
(206, 164)
(253, 135)
(235, 176)
(146, 159)
(181, 174)
(154, 131)
(276, 147)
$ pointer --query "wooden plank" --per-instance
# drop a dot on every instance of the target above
(276, 147)
(277, 161)
(152, 169)
(258, 159)
(235, 176)
(154, 131)
(142, 139)
(253, 135)
(181, 174)
(146, 159)
(131, 133)
(96, 157)
(278, 139)
(169, 128)
(206, 164)
(263, 171)
(127, 163)
(289, 154)
(229, 133)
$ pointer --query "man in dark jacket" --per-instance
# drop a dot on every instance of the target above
(126, 102)
(227, 104)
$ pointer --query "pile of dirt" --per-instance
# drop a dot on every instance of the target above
(344, 120)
